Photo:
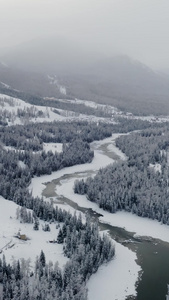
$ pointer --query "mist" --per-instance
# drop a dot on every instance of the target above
(131, 27)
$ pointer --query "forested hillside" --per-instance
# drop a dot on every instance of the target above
(27, 158)
(21, 158)
(86, 251)
(138, 185)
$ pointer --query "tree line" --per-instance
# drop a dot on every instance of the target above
(134, 185)
(32, 136)
(86, 251)
(15, 179)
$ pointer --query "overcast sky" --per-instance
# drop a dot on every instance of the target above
(138, 28)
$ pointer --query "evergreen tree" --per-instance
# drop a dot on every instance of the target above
(60, 237)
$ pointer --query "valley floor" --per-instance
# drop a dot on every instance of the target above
(115, 280)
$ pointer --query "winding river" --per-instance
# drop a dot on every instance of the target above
(152, 254)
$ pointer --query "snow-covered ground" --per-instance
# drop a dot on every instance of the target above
(10, 148)
(10, 105)
(156, 167)
(38, 240)
(153, 118)
(99, 161)
(117, 279)
(54, 147)
(21, 164)
(141, 226)
(103, 107)
(115, 111)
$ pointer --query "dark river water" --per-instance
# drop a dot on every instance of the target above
(152, 254)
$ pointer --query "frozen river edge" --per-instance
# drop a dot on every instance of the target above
(117, 279)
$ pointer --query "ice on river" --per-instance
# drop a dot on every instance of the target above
(117, 279)
(99, 161)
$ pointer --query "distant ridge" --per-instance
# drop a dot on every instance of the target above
(120, 81)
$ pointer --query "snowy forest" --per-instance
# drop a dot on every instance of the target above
(139, 184)
(84, 150)
(133, 185)
(22, 157)
(86, 251)
(28, 160)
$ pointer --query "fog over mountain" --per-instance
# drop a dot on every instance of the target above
(135, 28)
(50, 55)
(84, 134)
(118, 80)
(107, 51)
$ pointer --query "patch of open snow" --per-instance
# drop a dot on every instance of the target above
(10, 148)
(156, 167)
(21, 164)
(38, 240)
(13, 104)
(54, 147)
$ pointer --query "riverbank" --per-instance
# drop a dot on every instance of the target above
(116, 280)
(112, 277)
(100, 160)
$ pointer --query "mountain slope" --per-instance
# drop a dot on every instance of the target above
(52, 55)
(120, 81)
(29, 82)
(127, 84)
